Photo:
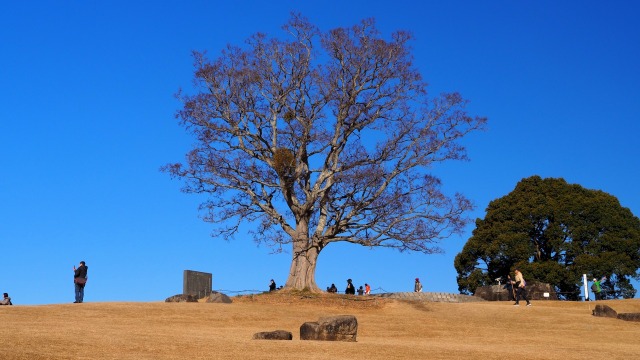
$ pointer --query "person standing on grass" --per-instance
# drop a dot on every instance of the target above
(350, 290)
(367, 289)
(521, 292)
(596, 287)
(510, 289)
(79, 281)
(603, 288)
(417, 286)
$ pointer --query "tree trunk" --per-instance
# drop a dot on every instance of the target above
(302, 275)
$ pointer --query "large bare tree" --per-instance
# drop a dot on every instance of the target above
(320, 138)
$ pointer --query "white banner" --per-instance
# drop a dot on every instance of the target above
(586, 287)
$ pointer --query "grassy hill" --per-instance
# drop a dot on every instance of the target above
(388, 329)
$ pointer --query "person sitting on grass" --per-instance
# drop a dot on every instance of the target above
(6, 300)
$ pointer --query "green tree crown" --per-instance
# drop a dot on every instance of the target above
(554, 232)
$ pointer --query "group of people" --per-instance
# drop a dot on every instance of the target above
(351, 289)
(366, 290)
(517, 286)
(273, 287)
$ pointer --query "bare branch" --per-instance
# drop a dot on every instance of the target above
(324, 137)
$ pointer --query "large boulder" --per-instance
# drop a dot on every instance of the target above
(604, 311)
(182, 298)
(331, 328)
(494, 293)
(607, 311)
(216, 297)
(629, 316)
(535, 291)
(273, 335)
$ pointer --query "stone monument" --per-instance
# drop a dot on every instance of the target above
(197, 283)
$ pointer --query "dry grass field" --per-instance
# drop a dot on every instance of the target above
(388, 329)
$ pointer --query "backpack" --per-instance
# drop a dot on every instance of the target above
(594, 287)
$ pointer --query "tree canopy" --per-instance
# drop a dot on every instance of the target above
(323, 137)
(554, 232)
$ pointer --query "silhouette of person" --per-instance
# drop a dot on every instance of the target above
(6, 300)
(350, 288)
(521, 291)
(79, 280)
(417, 287)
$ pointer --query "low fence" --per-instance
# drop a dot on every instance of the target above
(381, 293)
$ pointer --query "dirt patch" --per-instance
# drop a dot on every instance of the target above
(418, 305)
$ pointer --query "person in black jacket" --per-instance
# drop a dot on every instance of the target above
(350, 288)
(79, 280)
(510, 289)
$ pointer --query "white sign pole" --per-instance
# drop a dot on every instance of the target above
(586, 287)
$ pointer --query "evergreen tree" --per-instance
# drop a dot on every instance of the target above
(554, 232)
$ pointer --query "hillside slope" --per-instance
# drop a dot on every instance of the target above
(388, 329)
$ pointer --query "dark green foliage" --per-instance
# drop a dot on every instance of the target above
(554, 232)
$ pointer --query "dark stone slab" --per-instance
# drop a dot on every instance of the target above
(604, 311)
(197, 283)
(181, 298)
(629, 316)
(332, 328)
(494, 293)
(535, 291)
(273, 335)
(217, 297)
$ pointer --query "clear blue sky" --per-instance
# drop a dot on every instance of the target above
(87, 119)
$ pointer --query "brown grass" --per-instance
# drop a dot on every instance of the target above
(388, 329)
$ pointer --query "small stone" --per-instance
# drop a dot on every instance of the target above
(273, 335)
(216, 297)
(181, 298)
